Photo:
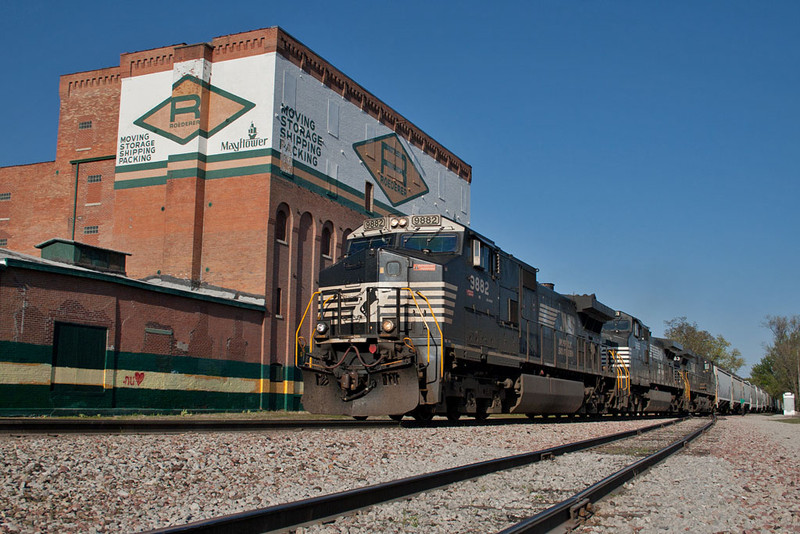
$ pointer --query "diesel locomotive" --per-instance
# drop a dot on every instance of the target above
(424, 316)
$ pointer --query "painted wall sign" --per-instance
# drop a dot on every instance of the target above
(391, 166)
(180, 117)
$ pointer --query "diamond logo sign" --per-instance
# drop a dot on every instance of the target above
(195, 108)
(392, 168)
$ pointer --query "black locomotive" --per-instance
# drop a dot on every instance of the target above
(424, 316)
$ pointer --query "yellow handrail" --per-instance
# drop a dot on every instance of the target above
(297, 333)
(427, 328)
(623, 375)
(687, 392)
(416, 304)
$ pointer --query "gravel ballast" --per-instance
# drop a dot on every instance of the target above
(742, 475)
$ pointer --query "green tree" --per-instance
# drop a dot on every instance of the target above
(779, 370)
(764, 376)
(701, 342)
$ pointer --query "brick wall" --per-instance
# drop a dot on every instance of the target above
(31, 214)
(87, 125)
(32, 301)
(219, 231)
(236, 215)
(294, 265)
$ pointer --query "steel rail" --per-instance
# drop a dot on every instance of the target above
(316, 509)
(149, 425)
(570, 509)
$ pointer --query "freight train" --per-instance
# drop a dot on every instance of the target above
(423, 316)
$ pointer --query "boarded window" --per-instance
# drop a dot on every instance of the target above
(278, 302)
(333, 118)
(368, 205)
(325, 244)
(280, 226)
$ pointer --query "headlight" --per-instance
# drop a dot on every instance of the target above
(387, 326)
(394, 222)
(403, 222)
(322, 328)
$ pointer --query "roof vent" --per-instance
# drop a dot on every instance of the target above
(83, 255)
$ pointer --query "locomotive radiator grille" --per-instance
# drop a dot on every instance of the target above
(365, 304)
(623, 356)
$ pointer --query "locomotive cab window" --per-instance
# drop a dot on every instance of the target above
(619, 325)
(430, 242)
(362, 243)
(481, 255)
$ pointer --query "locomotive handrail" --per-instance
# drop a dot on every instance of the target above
(416, 304)
(428, 328)
(297, 333)
(623, 374)
(687, 393)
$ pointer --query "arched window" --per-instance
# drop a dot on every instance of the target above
(345, 235)
(281, 219)
(326, 239)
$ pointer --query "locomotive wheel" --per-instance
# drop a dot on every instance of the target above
(396, 417)
(423, 413)
(481, 412)
(453, 416)
(360, 417)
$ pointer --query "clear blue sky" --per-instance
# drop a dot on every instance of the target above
(643, 151)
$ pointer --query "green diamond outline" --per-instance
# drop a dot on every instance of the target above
(246, 106)
(375, 178)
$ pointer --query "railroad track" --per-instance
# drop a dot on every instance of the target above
(149, 425)
(157, 426)
(315, 510)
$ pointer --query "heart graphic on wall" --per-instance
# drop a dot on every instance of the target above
(139, 378)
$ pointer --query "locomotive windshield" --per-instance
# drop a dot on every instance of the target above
(620, 325)
(362, 243)
(430, 242)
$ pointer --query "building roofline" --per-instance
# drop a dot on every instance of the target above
(22, 261)
(302, 56)
(275, 39)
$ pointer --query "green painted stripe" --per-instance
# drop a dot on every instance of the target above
(244, 154)
(192, 172)
(27, 353)
(189, 156)
(239, 171)
(346, 202)
(188, 400)
(330, 181)
(274, 170)
(14, 352)
(23, 400)
(140, 182)
(158, 363)
(28, 398)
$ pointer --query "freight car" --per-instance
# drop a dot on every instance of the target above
(424, 316)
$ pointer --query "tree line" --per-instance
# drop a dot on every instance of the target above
(776, 373)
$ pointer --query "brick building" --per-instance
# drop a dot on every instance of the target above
(241, 163)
